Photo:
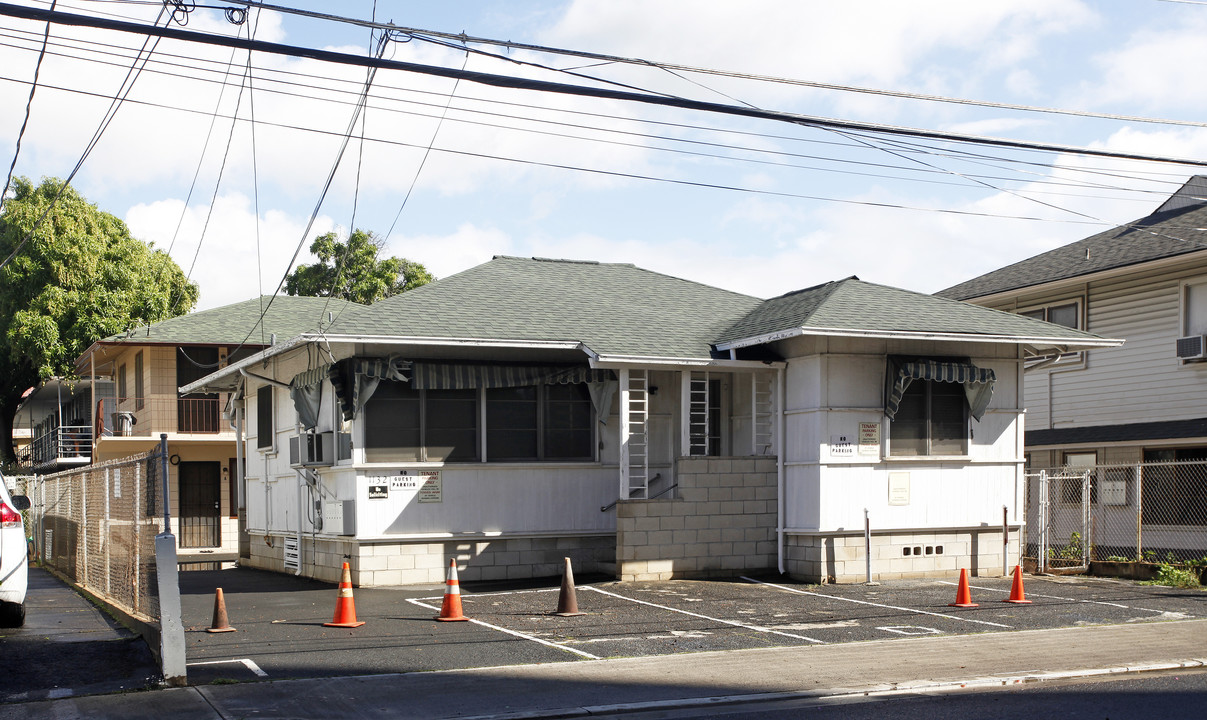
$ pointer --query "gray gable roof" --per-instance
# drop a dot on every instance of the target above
(286, 317)
(1178, 227)
(855, 306)
(613, 309)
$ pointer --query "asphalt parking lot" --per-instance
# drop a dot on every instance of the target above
(280, 633)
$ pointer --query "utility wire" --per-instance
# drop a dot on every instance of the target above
(421, 34)
(123, 92)
(1046, 165)
(516, 83)
(28, 107)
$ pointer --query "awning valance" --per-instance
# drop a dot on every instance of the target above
(355, 379)
(977, 382)
(465, 376)
(306, 391)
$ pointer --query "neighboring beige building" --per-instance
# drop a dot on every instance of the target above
(126, 396)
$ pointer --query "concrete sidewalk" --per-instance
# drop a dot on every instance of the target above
(573, 689)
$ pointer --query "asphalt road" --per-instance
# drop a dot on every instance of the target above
(1154, 695)
(280, 633)
(68, 647)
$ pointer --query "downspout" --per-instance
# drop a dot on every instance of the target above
(240, 477)
(301, 514)
(779, 469)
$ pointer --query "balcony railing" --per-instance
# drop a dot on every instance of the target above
(154, 415)
(64, 445)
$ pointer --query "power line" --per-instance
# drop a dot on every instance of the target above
(516, 83)
(116, 102)
(462, 38)
(911, 147)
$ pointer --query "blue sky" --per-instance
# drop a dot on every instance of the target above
(760, 207)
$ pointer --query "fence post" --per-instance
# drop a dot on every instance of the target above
(1139, 510)
(1042, 550)
(867, 543)
(1005, 541)
(171, 626)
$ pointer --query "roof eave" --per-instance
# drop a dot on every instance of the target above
(211, 382)
(1038, 343)
(1081, 279)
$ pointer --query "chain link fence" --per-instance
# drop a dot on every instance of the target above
(97, 525)
(1144, 512)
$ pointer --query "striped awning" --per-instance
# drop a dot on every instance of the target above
(309, 378)
(977, 382)
(354, 379)
(465, 376)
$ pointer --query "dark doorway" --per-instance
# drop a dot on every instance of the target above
(200, 497)
(196, 413)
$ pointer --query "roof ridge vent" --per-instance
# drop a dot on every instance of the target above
(1192, 194)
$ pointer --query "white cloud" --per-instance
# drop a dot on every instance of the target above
(1158, 70)
(232, 264)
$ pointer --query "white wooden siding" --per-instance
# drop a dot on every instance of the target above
(1142, 381)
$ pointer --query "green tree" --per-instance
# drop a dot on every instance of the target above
(79, 278)
(352, 270)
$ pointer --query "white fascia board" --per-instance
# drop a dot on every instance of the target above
(211, 380)
(638, 361)
(457, 342)
(1063, 344)
(305, 338)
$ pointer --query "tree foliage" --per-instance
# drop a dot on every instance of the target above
(80, 277)
(352, 270)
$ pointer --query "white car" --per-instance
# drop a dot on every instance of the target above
(14, 568)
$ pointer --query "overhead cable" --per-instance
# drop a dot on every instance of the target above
(511, 82)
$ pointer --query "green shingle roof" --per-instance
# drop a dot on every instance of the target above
(232, 324)
(622, 310)
(857, 306)
(614, 309)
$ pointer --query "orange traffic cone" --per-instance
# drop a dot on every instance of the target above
(567, 602)
(963, 596)
(450, 610)
(219, 623)
(345, 606)
(1016, 592)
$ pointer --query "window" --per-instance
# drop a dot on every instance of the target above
(528, 423)
(138, 381)
(402, 424)
(1065, 314)
(265, 433)
(567, 423)
(932, 419)
(121, 384)
(1077, 463)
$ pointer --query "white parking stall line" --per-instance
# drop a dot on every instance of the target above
(706, 617)
(521, 635)
(245, 662)
(1057, 597)
(881, 605)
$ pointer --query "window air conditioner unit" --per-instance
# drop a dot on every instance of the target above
(1193, 347)
(312, 449)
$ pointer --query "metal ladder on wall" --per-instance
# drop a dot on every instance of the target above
(638, 414)
(762, 406)
(697, 415)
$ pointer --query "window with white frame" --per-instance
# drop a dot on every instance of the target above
(931, 419)
(1066, 313)
(530, 423)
